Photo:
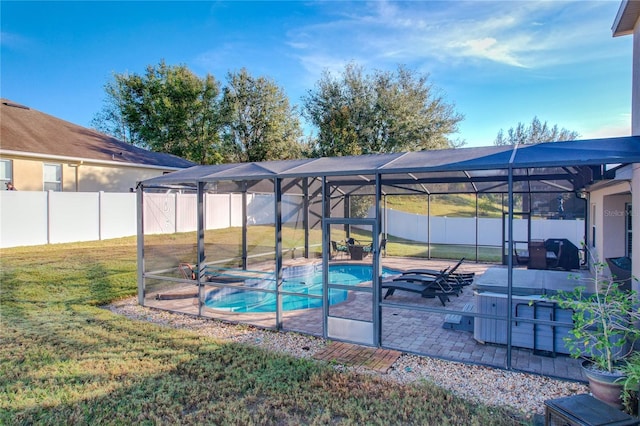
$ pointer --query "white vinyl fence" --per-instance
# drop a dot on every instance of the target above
(487, 232)
(34, 218)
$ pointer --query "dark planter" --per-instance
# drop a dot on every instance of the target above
(605, 386)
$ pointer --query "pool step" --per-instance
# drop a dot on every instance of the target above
(460, 322)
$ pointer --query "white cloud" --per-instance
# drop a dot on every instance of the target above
(13, 40)
(487, 48)
(618, 126)
(516, 34)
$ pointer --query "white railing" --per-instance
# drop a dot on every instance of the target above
(34, 218)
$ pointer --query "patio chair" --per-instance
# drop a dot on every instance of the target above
(537, 255)
(522, 257)
(383, 247)
(338, 249)
(555, 262)
(187, 271)
(620, 268)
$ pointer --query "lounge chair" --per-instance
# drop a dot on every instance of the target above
(455, 279)
(189, 273)
(427, 288)
(435, 272)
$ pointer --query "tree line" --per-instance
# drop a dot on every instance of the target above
(170, 109)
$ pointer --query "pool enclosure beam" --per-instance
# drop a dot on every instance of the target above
(510, 262)
(326, 237)
(277, 190)
(140, 243)
(244, 225)
(200, 246)
(305, 214)
(376, 276)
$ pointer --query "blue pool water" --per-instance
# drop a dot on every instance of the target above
(243, 301)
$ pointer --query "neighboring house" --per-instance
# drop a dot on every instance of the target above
(615, 204)
(39, 152)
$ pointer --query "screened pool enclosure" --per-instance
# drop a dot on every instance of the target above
(308, 245)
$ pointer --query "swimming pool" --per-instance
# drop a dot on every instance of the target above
(307, 281)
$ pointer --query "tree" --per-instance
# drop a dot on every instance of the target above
(536, 132)
(259, 122)
(378, 113)
(110, 119)
(168, 109)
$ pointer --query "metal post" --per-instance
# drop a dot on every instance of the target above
(385, 226)
(305, 215)
(277, 189)
(377, 266)
(510, 259)
(200, 246)
(428, 226)
(326, 211)
(140, 243)
(244, 225)
(477, 222)
(347, 214)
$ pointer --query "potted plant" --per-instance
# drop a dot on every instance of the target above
(605, 328)
(631, 384)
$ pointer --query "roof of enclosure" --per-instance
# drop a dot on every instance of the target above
(560, 165)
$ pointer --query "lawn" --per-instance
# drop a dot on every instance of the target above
(66, 360)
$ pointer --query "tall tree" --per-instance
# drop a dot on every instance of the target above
(260, 124)
(110, 119)
(168, 109)
(536, 132)
(377, 113)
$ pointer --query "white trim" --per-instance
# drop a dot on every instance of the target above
(626, 18)
(87, 160)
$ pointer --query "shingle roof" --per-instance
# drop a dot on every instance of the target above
(23, 129)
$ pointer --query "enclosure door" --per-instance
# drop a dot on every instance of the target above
(350, 275)
(521, 233)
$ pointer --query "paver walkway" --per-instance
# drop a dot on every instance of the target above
(348, 354)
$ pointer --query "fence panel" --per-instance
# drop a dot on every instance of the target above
(117, 215)
(23, 218)
(73, 216)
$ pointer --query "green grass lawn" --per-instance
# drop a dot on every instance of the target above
(65, 360)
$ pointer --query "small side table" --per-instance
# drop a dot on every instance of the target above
(584, 410)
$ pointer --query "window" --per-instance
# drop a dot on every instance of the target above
(6, 172)
(52, 177)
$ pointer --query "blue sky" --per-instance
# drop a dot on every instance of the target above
(499, 63)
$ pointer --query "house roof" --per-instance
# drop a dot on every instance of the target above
(544, 167)
(626, 18)
(27, 131)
